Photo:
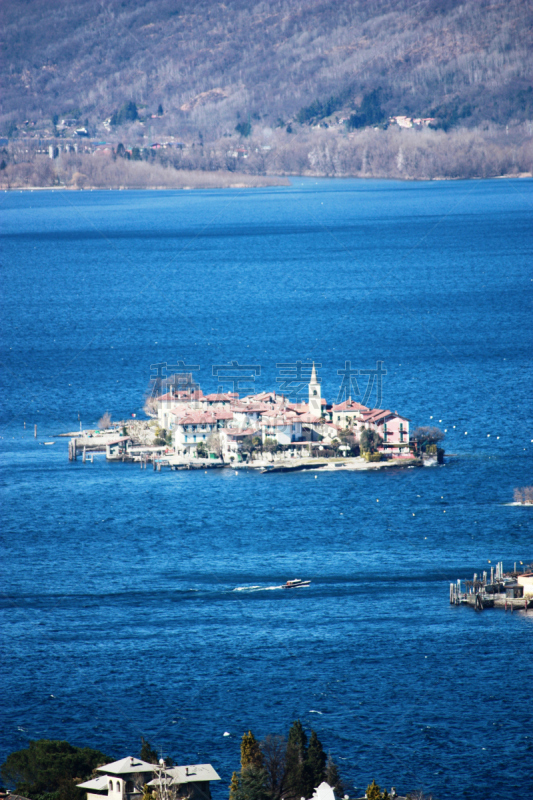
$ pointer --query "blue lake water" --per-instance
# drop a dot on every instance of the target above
(119, 611)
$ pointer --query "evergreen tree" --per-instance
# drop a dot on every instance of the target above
(298, 781)
(316, 762)
(252, 784)
(147, 753)
(333, 777)
(250, 752)
(49, 767)
(373, 792)
(234, 786)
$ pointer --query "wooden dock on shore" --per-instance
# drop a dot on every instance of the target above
(509, 591)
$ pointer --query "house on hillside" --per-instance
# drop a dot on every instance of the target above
(125, 780)
(120, 780)
(191, 782)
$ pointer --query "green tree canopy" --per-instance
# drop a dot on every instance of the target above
(270, 445)
(202, 450)
(333, 777)
(369, 441)
(244, 128)
(369, 112)
(298, 779)
(127, 113)
(316, 761)
(147, 753)
(252, 784)
(50, 766)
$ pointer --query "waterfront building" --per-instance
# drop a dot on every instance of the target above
(346, 414)
(392, 427)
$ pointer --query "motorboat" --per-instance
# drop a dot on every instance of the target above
(295, 584)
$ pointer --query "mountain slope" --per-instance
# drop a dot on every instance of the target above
(211, 65)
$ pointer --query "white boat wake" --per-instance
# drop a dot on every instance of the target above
(256, 588)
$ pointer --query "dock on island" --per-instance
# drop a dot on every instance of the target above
(508, 591)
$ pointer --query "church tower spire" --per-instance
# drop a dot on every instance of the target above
(315, 395)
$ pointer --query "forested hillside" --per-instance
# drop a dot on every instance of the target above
(203, 71)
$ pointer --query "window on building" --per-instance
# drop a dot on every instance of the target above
(130, 787)
(118, 786)
(110, 786)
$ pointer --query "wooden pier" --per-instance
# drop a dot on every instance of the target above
(508, 591)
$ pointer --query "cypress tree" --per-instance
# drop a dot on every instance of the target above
(333, 777)
(250, 751)
(148, 754)
(373, 792)
(316, 762)
(297, 773)
(234, 786)
(252, 784)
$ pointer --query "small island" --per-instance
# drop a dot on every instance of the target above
(186, 429)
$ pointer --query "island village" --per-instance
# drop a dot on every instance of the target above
(190, 430)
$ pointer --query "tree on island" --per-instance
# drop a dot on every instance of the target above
(270, 445)
(50, 769)
(426, 435)
(104, 421)
(214, 445)
(201, 450)
(251, 444)
(369, 441)
(523, 495)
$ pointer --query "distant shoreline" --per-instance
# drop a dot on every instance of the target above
(257, 183)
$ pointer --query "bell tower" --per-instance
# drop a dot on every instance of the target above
(315, 395)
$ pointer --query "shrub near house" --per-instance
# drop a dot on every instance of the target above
(48, 769)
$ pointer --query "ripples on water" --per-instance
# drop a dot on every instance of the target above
(147, 603)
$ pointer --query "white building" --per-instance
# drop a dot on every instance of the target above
(120, 780)
(190, 781)
(125, 779)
